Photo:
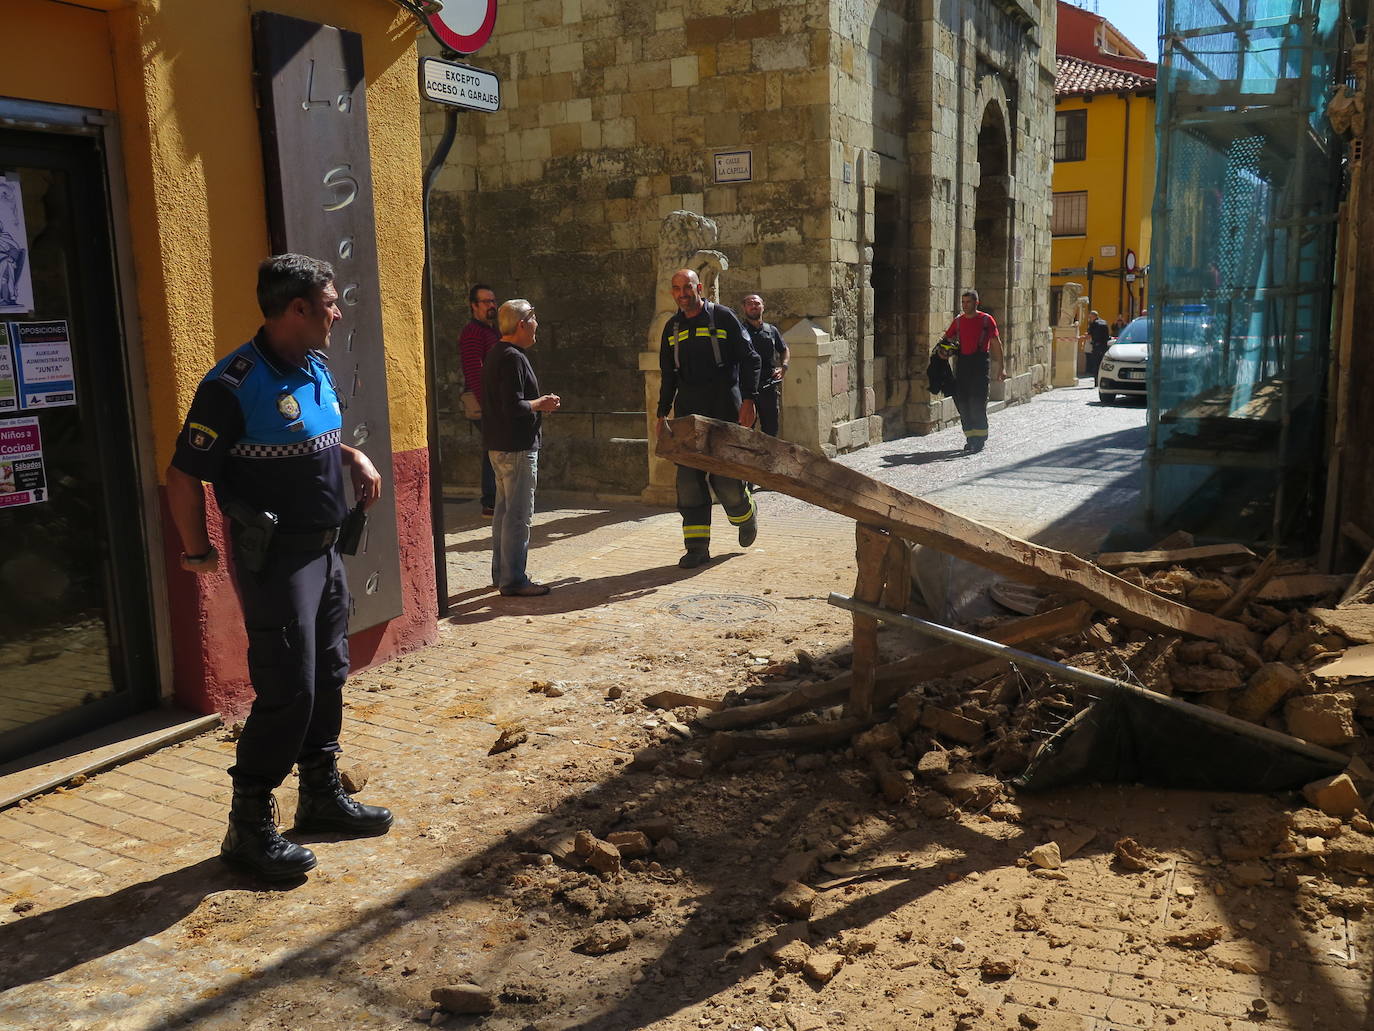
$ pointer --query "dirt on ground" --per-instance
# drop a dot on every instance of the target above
(629, 878)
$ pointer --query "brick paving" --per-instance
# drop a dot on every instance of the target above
(114, 913)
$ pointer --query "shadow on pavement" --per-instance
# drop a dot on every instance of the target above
(923, 457)
(549, 530)
(574, 594)
(49, 943)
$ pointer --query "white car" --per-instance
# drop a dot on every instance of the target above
(1124, 367)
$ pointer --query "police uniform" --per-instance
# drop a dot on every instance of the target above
(708, 368)
(267, 436)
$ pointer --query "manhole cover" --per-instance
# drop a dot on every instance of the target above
(720, 608)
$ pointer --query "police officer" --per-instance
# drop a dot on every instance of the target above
(264, 429)
(776, 358)
(709, 368)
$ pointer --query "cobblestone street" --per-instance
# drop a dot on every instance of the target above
(116, 914)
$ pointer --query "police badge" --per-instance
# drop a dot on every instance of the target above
(289, 407)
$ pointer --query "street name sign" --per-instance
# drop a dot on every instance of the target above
(459, 85)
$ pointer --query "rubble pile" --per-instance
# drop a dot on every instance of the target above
(1304, 668)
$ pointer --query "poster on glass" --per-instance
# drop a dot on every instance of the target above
(16, 284)
(22, 480)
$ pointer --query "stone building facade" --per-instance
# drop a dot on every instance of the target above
(900, 150)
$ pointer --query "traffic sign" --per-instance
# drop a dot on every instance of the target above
(464, 25)
(459, 85)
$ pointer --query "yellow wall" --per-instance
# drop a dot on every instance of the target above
(84, 75)
(1099, 174)
(196, 195)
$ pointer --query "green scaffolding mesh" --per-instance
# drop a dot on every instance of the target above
(1241, 264)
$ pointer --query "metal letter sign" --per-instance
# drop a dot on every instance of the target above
(319, 198)
(464, 26)
(459, 85)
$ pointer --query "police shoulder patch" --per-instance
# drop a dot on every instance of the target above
(237, 370)
(201, 437)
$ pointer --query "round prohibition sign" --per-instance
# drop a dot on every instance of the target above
(464, 26)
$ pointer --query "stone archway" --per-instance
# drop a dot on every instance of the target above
(992, 214)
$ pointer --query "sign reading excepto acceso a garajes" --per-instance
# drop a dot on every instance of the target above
(463, 25)
(735, 166)
(459, 85)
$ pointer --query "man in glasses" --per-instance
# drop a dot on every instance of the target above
(512, 417)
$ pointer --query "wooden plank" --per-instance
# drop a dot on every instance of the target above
(871, 551)
(1234, 605)
(1357, 536)
(809, 738)
(1361, 579)
(720, 447)
(676, 699)
(1202, 555)
(894, 678)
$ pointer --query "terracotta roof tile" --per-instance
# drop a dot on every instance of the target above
(1074, 77)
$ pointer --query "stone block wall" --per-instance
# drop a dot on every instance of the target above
(863, 118)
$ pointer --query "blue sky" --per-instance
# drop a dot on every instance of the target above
(1137, 19)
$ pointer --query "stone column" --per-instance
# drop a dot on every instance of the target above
(806, 392)
(1066, 338)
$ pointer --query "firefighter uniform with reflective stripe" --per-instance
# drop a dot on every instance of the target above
(267, 435)
(708, 368)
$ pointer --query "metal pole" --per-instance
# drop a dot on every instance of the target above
(1095, 682)
(436, 468)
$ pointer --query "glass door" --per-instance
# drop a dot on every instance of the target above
(76, 632)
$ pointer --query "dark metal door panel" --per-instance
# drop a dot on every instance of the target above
(313, 116)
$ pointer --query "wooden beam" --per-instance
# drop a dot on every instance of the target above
(892, 679)
(1235, 605)
(1361, 579)
(1203, 555)
(721, 447)
(816, 736)
(871, 553)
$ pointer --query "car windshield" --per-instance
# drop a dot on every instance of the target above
(1137, 332)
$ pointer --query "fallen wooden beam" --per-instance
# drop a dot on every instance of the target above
(1361, 579)
(721, 747)
(721, 447)
(892, 679)
(1235, 605)
(1208, 555)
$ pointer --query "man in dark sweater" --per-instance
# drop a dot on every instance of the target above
(773, 352)
(477, 338)
(512, 414)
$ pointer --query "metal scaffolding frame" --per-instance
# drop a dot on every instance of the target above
(1242, 263)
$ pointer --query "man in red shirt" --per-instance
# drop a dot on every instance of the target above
(477, 338)
(979, 348)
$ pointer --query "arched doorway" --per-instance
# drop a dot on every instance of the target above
(992, 216)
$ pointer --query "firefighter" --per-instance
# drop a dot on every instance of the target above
(709, 368)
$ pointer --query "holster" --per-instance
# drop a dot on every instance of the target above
(351, 530)
(252, 534)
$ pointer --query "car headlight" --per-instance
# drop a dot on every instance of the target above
(1109, 366)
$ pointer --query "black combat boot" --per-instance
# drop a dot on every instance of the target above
(748, 531)
(325, 806)
(253, 843)
(694, 557)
